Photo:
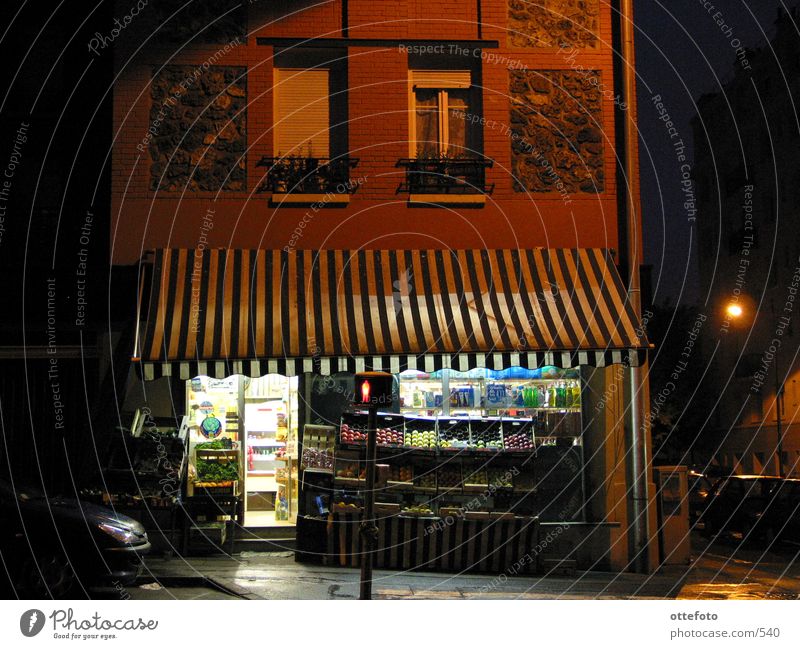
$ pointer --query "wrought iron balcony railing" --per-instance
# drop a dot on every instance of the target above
(297, 175)
(445, 175)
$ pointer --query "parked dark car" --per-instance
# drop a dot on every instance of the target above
(700, 486)
(757, 507)
(50, 547)
(781, 520)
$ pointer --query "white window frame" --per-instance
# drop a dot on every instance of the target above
(443, 81)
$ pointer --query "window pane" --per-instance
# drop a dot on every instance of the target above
(427, 118)
(458, 108)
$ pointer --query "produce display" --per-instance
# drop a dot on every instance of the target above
(351, 470)
(401, 473)
(454, 434)
(478, 476)
(389, 437)
(519, 442)
(449, 477)
(216, 469)
(500, 477)
(426, 480)
(347, 507)
(352, 435)
(417, 510)
(314, 458)
(487, 436)
(443, 459)
(418, 438)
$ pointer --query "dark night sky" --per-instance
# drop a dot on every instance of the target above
(681, 54)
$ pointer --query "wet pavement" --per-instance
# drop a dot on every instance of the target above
(722, 569)
(727, 569)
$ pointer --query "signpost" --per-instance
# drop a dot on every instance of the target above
(373, 390)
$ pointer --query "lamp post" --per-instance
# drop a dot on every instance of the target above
(778, 402)
(734, 312)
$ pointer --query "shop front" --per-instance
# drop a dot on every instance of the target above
(506, 436)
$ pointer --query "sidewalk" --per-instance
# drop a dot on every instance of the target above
(277, 576)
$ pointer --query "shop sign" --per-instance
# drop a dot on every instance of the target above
(222, 385)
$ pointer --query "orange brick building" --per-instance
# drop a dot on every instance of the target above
(367, 52)
(388, 135)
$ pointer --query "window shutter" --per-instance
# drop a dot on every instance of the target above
(302, 113)
(441, 78)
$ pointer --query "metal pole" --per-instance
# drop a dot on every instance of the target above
(778, 399)
(638, 432)
(369, 529)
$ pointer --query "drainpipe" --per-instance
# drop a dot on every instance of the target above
(638, 425)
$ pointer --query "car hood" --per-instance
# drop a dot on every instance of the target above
(73, 510)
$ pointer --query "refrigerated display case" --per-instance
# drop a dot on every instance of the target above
(550, 395)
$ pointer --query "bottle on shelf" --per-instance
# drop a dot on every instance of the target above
(561, 395)
(576, 395)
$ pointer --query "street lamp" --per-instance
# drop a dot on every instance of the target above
(734, 311)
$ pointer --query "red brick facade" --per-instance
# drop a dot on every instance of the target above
(378, 102)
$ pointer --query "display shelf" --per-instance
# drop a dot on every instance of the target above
(249, 397)
(458, 474)
(318, 471)
(352, 447)
(349, 482)
(398, 485)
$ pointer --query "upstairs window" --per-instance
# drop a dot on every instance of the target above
(442, 114)
(302, 113)
(309, 153)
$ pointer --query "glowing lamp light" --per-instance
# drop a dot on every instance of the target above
(365, 389)
(733, 310)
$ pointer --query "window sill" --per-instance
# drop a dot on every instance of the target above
(291, 200)
(447, 199)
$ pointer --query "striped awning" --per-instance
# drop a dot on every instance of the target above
(256, 312)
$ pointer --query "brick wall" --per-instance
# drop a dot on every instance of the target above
(377, 215)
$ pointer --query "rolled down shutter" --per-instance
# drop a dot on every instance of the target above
(441, 78)
(302, 113)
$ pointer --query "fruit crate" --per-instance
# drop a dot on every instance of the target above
(401, 475)
(349, 472)
(425, 479)
(318, 437)
(353, 429)
(476, 477)
(500, 477)
(225, 488)
(346, 508)
(421, 434)
(448, 477)
(486, 434)
(390, 431)
(518, 435)
(454, 434)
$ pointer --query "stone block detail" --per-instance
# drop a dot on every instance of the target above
(553, 23)
(198, 129)
(556, 119)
